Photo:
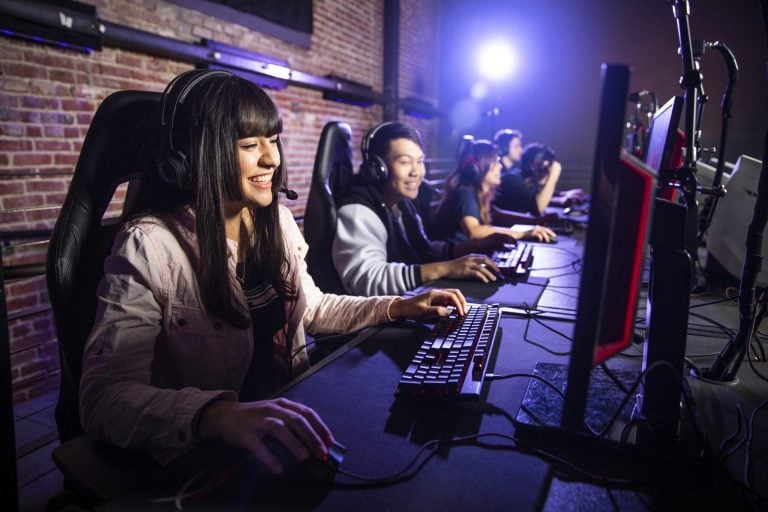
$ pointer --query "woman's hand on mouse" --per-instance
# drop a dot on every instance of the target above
(246, 424)
(429, 304)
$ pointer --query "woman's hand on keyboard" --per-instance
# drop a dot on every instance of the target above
(429, 304)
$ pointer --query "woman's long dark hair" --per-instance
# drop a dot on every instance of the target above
(216, 113)
(473, 165)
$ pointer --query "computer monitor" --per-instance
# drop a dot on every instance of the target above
(622, 195)
(623, 190)
(662, 134)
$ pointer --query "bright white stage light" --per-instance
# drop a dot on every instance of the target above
(497, 60)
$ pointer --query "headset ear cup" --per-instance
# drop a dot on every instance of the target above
(470, 172)
(374, 169)
(171, 163)
(172, 169)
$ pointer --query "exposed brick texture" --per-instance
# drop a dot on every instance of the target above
(48, 96)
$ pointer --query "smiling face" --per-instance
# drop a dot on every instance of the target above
(405, 161)
(258, 158)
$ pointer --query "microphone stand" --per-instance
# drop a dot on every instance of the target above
(729, 360)
(691, 82)
(725, 108)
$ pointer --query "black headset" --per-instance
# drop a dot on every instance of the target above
(535, 167)
(374, 168)
(470, 171)
(172, 163)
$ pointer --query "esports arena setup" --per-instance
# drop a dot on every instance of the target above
(595, 375)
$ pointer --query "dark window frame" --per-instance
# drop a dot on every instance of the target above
(250, 21)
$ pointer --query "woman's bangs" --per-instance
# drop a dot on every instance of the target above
(258, 114)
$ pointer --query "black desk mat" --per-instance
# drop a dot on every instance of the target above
(509, 293)
(353, 391)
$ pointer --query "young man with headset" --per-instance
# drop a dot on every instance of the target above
(380, 246)
(531, 187)
(510, 144)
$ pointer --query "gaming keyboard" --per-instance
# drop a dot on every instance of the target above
(451, 363)
(515, 261)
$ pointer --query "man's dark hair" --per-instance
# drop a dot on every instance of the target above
(534, 155)
(504, 138)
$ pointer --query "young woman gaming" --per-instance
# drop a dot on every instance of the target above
(380, 245)
(205, 298)
(464, 213)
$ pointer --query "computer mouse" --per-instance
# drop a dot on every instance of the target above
(313, 468)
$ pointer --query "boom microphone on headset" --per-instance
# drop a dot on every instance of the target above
(290, 194)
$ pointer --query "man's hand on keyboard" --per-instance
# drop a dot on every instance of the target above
(538, 233)
(429, 304)
(472, 266)
(485, 245)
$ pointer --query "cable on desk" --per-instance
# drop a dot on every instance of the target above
(564, 287)
(632, 391)
(613, 377)
(403, 474)
(531, 315)
(565, 274)
(576, 256)
(184, 492)
(560, 267)
(491, 376)
(554, 309)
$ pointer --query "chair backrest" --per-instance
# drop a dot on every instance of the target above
(333, 167)
(114, 152)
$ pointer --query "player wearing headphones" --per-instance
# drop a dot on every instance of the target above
(531, 187)
(205, 298)
(510, 144)
(380, 244)
(464, 213)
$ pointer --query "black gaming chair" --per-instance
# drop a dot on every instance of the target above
(333, 167)
(113, 153)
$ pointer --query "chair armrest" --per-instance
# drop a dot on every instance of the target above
(99, 472)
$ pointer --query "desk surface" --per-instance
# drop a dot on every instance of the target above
(352, 390)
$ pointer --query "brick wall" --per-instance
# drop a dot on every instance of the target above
(48, 96)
